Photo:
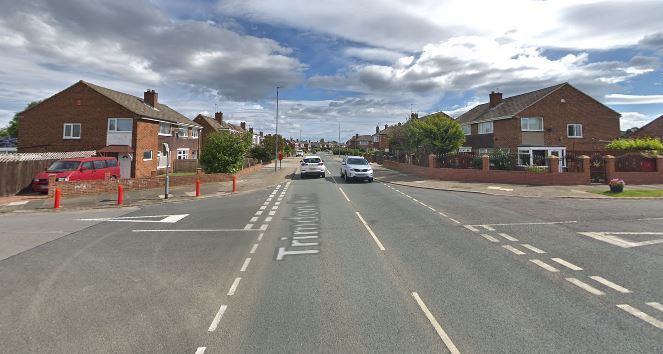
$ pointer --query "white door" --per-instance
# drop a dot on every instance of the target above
(561, 153)
(125, 165)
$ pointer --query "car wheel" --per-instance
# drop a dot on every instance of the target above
(370, 180)
(346, 179)
(322, 175)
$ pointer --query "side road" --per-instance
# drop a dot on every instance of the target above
(258, 180)
(583, 192)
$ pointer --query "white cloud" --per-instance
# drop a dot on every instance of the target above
(616, 98)
(634, 119)
(374, 54)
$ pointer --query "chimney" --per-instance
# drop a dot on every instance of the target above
(495, 98)
(251, 130)
(399, 124)
(414, 115)
(218, 116)
(151, 97)
(386, 126)
(377, 129)
(243, 125)
(261, 134)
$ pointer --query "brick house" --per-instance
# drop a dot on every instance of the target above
(217, 123)
(85, 116)
(362, 142)
(653, 129)
(540, 123)
(382, 137)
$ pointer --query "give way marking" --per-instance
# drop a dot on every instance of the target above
(168, 219)
(619, 238)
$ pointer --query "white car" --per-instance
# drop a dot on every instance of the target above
(356, 167)
(299, 153)
(313, 165)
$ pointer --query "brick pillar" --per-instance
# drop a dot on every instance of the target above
(659, 168)
(432, 161)
(51, 186)
(199, 171)
(553, 163)
(485, 163)
(153, 174)
(609, 167)
(586, 167)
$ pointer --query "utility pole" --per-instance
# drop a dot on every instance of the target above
(276, 137)
(338, 144)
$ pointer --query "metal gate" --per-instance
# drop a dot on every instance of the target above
(597, 172)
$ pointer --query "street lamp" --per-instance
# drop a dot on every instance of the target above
(276, 137)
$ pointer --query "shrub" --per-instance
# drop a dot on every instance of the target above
(224, 152)
(537, 169)
(259, 152)
(616, 185)
(636, 144)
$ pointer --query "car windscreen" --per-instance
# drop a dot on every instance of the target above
(357, 162)
(312, 160)
(60, 166)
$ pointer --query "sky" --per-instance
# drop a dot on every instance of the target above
(347, 64)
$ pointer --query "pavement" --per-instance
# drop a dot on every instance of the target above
(514, 190)
(319, 265)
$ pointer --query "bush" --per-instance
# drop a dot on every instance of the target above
(224, 152)
(616, 185)
(501, 160)
(636, 144)
(537, 169)
(259, 152)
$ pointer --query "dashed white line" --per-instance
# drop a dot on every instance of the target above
(610, 284)
(275, 207)
(513, 249)
(260, 236)
(263, 207)
(271, 213)
(248, 226)
(490, 238)
(431, 208)
(254, 219)
(246, 264)
(532, 248)
(582, 285)
(375, 238)
(566, 264)
(344, 195)
(440, 331)
(641, 315)
(268, 219)
(201, 350)
(471, 228)
(443, 214)
(454, 220)
(233, 287)
(254, 248)
(217, 318)
(259, 212)
(263, 227)
(506, 236)
(487, 227)
(655, 305)
(544, 265)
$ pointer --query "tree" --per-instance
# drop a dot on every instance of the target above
(259, 152)
(12, 128)
(225, 152)
(435, 134)
(269, 142)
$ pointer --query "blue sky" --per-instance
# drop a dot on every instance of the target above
(356, 64)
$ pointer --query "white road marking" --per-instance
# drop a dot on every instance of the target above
(610, 284)
(254, 248)
(259, 212)
(217, 318)
(248, 226)
(611, 238)
(641, 315)
(254, 219)
(650, 219)
(490, 238)
(531, 223)
(263, 227)
(344, 195)
(443, 214)
(269, 199)
(263, 207)
(579, 283)
(169, 219)
(246, 264)
(532, 248)
(440, 331)
(408, 196)
(454, 220)
(487, 227)
(271, 213)
(265, 203)
(275, 207)
(375, 238)
(233, 287)
(21, 202)
(268, 219)
(260, 236)
(566, 264)
(416, 200)
(277, 203)
(280, 199)
(506, 236)
(431, 208)
(201, 350)
(656, 305)
(423, 204)
(544, 265)
(197, 230)
(513, 249)
(471, 228)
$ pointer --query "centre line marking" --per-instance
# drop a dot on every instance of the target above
(513, 249)
(248, 226)
(344, 195)
(610, 284)
(233, 287)
(490, 238)
(277, 203)
(566, 264)
(260, 236)
(641, 315)
(263, 207)
(582, 285)
(375, 238)
(263, 227)
(254, 248)
(440, 331)
(454, 220)
(246, 264)
(217, 318)
(443, 214)
(506, 236)
(275, 207)
(532, 248)
(655, 305)
(271, 213)
(487, 227)
(201, 350)
(254, 219)
(259, 212)
(471, 228)
(268, 219)
(544, 265)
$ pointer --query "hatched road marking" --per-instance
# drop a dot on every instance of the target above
(544, 265)
(532, 248)
(514, 250)
(641, 315)
(506, 236)
(610, 284)
(490, 238)
(566, 264)
(582, 285)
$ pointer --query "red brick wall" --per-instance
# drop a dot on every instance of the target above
(175, 142)
(506, 134)
(41, 128)
(635, 177)
(145, 138)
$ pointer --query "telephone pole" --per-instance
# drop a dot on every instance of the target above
(276, 137)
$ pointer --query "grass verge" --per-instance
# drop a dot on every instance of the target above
(637, 193)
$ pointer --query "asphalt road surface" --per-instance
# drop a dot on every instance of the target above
(318, 265)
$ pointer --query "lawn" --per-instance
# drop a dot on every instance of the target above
(634, 193)
(181, 174)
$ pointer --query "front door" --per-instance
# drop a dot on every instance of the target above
(125, 165)
(561, 153)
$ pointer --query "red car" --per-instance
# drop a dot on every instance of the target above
(85, 168)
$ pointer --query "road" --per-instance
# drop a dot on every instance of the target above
(314, 265)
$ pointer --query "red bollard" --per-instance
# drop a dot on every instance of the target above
(197, 187)
(120, 194)
(56, 201)
(234, 184)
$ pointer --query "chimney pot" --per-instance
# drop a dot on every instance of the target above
(218, 116)
(151, 97)
(414, 115)
(243, 125)
(377, 129)
(495, 98)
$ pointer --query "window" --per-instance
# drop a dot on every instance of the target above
(147, 155)
(483, 151)
(467, 130)
(182, 133)
(120, 124)
(164, 129)
(574, 130)
(465, 149)
(194, 133)
(111, 163)
(194, 155)
(531, 124)
(99, 164)
(485, 128)
(88, 165)
(72, 131)
(182, 154)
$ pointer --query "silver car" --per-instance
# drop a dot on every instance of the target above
(356, 168)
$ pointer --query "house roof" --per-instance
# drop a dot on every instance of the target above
(139, 107)
(389, 130)
(215, 124)
(509, 106)
(636, 131)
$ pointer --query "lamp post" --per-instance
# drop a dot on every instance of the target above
(276, 137)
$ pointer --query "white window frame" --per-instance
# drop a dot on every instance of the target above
(115, 120)
(163, 125)
(183, 132)
(185, 151)
(576, 126)
(71, 131)
(467, 129)
(465, 149)
(151, 155)
(526, 126)
(486, 124)
(194, 133)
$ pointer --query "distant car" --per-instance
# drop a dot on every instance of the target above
(299, 153)
(356, 168)
(313, 165)
(86, 168)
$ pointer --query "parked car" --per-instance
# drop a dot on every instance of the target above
(313, 165)
(299, 153)
(356, 167)
(88, 168)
